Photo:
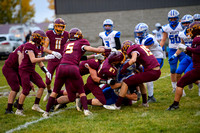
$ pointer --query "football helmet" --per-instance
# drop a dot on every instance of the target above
(75, 34)
(115, 57)
(108, 22)
(196, 17)
(173, 14)
(39, 37)
(186, 19)
(141, 30)
(125, 45)
(194, 29)
(59, 22)
(158, 26)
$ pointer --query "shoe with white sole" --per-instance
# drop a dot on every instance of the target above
(36, 107)
(78, 104)
(87, 113)
(46, 97)
(112, 107)
(145, 105)
(19, 112)
(45, 114)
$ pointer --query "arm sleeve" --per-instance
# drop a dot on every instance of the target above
(102, 43)
(194, 50)
(118, 43)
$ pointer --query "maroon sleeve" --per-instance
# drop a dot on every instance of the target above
(194, 50)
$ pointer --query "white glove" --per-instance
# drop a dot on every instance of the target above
(48, 74)
(49, 56)
(113, 50)
(57, 54)
(111, 81)
(182, 47)
(99, 56)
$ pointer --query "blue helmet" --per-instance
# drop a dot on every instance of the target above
(108, 22)
(186, 19)
(173, 14)
(196, 17)
(141, 28)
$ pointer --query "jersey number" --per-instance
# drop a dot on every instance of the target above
(69, 48)
(58, 44)
(107, 43)
(146, 50)
(174, 39)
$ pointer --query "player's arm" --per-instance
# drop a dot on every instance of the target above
(116, 85)
(162, 42)
(118, 43)
(132, 96)
(20, 57)
(95, 50)
(44, 69)
(36, 60)
(56, 54)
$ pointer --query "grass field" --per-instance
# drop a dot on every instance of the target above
(129, 119)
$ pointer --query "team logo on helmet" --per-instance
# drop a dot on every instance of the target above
(125, 45)
(39, 37)
(194, 29)
(75, 34)
(59, 25)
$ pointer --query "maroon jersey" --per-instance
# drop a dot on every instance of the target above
(144, 56)
(106, 70)
(195, 50)
(73, 51)
(57, 42)
(12, 60)
(26, 64)
(94, 64)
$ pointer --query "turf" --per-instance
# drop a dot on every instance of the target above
(129, 119)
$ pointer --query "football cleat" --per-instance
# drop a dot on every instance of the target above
(145, 105)
(173, 107)
(19, 112)
(112, 107)
(174, 90)
(87, 112)
(45, 114)
(36, 107)
(60, 106)
(151, 99)
(78, 104)
(9, 112)
(46, 97)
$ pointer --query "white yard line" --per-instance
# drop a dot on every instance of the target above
(164, 76)
(1, 87)
(36, 121)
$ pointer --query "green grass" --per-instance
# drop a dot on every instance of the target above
(129, 119)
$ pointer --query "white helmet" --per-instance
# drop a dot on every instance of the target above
(141, 28)
(158, 25)
(50, 26)
(108, 22)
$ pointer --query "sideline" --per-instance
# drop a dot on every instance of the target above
(36, 121)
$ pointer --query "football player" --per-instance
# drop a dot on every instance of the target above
(142, 37)
(10, 71)
(56, 40)
(186, 63)
(193, 75)
(196, 17)
(110, 37)
(171, 31)
(158, 32)
(68, 71)
(141, 55)
(32, 52)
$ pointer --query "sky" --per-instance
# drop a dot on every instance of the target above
(42, 11)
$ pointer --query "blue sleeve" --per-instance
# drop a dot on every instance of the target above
(118, 34)
(148, 42)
